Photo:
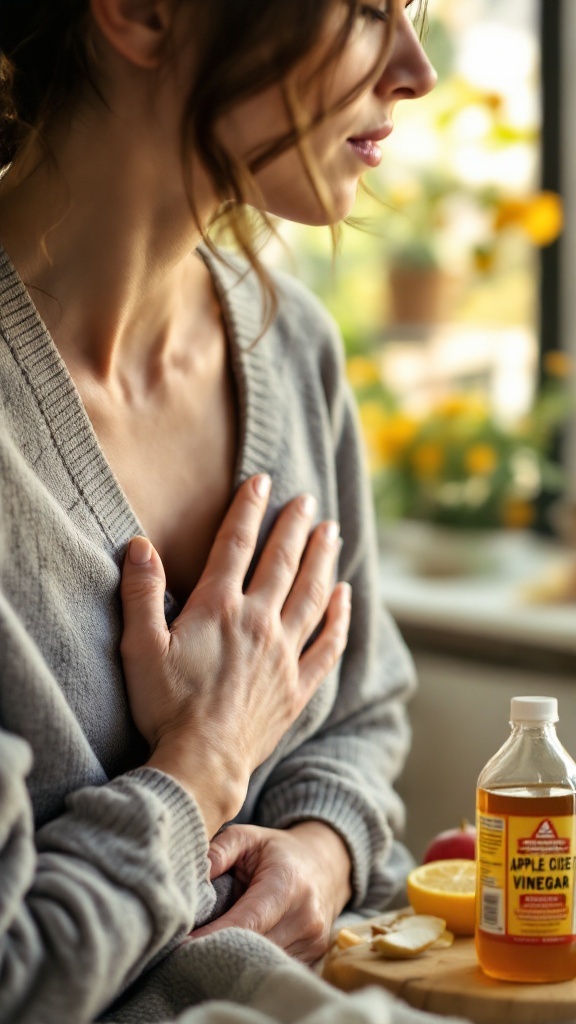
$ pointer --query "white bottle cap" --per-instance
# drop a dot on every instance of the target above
(534, 709)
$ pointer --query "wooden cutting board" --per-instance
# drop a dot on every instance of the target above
(449, 982)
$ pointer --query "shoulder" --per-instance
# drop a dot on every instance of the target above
(299, 308)
(301, 327)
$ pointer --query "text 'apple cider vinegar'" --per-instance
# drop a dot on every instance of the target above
(526, 851)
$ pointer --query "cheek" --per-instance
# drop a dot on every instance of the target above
(287, 191)
(254, 123)
(361, 58)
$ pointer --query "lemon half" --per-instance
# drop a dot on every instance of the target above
(447, 889)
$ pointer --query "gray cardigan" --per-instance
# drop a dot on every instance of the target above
(103, 866)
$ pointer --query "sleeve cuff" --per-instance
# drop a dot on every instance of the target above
(341, 809)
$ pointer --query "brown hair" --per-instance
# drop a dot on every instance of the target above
(244, 47)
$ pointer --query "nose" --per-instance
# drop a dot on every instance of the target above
(408, 73)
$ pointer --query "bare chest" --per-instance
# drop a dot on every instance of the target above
(173, 457)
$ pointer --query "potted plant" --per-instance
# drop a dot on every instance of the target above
(445, 222)
(456, 466)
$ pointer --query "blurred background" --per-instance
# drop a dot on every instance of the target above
(456, 300)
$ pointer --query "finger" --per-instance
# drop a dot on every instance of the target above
(142, 590)
(233, 548)
(320, 658)
(229, 846)
(308, 599)
(258, 910)
(280, 560)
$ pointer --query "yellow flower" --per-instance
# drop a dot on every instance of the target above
(540, 216)
(428, 460)
(395, 435)
(387, 435)
(544, 218)
(494, 101)
(362, 371)
(455, 405)
(557, 364)
(481, 459)
(517, 513)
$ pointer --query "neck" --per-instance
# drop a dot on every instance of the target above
(104, 241)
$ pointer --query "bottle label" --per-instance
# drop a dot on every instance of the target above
(526, 878)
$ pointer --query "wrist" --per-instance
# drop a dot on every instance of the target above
(210, 779)
(333, 856)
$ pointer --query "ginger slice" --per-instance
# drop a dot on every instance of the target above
(361, 934)
(444, 941)
(345, 939)
(382, 928)
(409, 937)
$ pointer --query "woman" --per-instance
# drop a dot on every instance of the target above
(145, 382)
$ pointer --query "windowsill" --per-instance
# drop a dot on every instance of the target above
(485, 614)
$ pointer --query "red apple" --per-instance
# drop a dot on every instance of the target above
(454, 843)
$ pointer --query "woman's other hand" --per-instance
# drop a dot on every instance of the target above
(297, 882)
(214, 694)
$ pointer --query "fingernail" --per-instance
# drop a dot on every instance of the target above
(140, 551)
(262, 485)
(332, 532)
(346, 595)
(308, 505)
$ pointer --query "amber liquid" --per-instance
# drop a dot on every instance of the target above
(507, 960)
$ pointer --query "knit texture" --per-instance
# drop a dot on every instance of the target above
(104, 863)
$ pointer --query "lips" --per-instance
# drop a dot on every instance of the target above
(366, 146)
(375, 135)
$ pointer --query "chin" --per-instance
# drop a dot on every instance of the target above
(313, 214)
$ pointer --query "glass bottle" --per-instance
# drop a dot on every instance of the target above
(526, 847)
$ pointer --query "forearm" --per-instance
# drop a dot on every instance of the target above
(91, 899)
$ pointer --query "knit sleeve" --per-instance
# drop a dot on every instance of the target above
(96, 894)
(84, 908)
(344, 774)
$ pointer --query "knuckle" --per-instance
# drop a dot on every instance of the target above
(238, 538)
(287, 559)
(316, 922)
(140, 588)
(227, 607)
(260, 626)
(136, 644)
(315, 593)
(330, 658)
(327, 659)
(217, 858)
(339, 632)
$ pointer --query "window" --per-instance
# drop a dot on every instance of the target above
(560, 29)
(453, 286)
(453, 161)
